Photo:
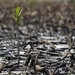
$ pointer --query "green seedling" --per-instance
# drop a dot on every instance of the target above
(17, 16)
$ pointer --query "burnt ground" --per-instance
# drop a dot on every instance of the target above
(46, 39)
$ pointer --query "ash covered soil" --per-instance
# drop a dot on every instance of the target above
(46, 39)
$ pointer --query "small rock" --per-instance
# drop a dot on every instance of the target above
(72, 51)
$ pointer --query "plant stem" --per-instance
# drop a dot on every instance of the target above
(18, 61)
(18, 49)
(9, 71)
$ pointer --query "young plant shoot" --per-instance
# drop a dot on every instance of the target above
(17, 16)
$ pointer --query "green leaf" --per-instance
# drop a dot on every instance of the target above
(18, 19)
(17, 15)
(17, 11)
